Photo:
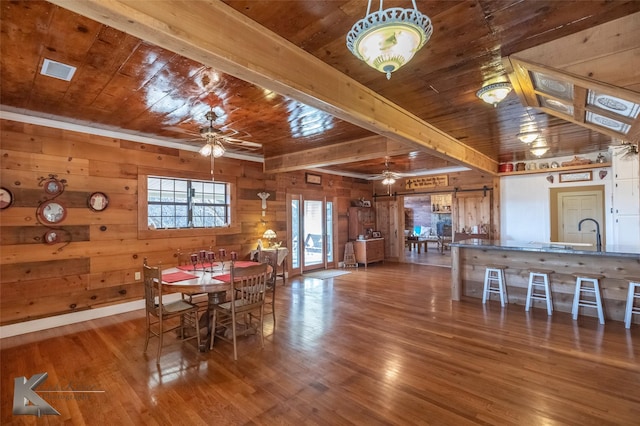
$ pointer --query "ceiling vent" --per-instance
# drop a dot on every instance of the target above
(57, 70)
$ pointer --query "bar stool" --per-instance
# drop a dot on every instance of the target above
(539, 280)
(634, 294)
(494, 282)
(582, 281)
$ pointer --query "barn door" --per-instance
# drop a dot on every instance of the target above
(472, 212)
(387, 222)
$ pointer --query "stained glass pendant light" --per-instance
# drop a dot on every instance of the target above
(388, 39)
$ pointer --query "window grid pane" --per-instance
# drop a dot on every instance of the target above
(180, 203)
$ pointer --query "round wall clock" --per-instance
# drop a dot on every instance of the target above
(52, 236)
(53, 187)
(98, 201)
(6, 198)
(52, 212)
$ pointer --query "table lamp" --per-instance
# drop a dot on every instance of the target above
(270, 235)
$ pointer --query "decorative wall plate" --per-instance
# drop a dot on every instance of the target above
(52, 212)
(98, 201)
(53, 187)
(52, 236)
(6, 198)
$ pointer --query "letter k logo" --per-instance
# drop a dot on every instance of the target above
(23, 393)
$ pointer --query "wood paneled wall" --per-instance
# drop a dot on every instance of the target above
(95, 264)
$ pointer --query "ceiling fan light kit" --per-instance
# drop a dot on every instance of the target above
(214, 148)
(388, 180)
(494, 93)
(388, 39)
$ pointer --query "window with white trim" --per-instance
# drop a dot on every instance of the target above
(175, 203)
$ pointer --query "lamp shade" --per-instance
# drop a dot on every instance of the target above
(218, 149)
(388, 39)
(206, 149)
(269, 234)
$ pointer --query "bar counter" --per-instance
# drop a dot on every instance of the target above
(469, 259)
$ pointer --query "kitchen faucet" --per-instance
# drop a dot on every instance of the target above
(598, 240)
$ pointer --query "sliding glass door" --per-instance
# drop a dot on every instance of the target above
(311, 224)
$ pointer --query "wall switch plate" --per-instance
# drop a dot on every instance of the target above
(137, 276)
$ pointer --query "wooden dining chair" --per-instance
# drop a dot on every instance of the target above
(199, 299)
(270, 259)
(159, 313)
(237, 316)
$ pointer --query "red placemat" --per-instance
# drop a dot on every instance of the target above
(177, 276)
(198, 266)
(225, 277)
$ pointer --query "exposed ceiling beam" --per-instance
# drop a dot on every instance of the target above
(341, 153)
(216, 35)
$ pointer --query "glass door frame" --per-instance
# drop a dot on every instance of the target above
(299, 246)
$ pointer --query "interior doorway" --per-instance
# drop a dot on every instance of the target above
(424, 216)
(569, 206)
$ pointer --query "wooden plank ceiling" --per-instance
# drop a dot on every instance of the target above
(279, 76)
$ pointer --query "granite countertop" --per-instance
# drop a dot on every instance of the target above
(532, 246)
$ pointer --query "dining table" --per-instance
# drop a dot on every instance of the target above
(212, 279)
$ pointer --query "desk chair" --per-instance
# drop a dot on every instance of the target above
(159, 313)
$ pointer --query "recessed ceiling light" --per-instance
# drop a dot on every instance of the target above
(57, 70)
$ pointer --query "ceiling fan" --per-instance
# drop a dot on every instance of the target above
(387, 176)
(218, 137)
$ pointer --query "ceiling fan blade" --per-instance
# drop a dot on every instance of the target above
(180, 130)
(234, 141)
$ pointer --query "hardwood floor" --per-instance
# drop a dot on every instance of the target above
(377, 347)
(431, 257)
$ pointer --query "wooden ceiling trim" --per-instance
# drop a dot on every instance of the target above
(341, 153)
(612, 37)
(256, 55)
(607, 68)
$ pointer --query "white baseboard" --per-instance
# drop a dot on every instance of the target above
(72, 318)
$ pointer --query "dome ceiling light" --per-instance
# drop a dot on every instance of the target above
(493, 93)
(528, 137)
(539, 148)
